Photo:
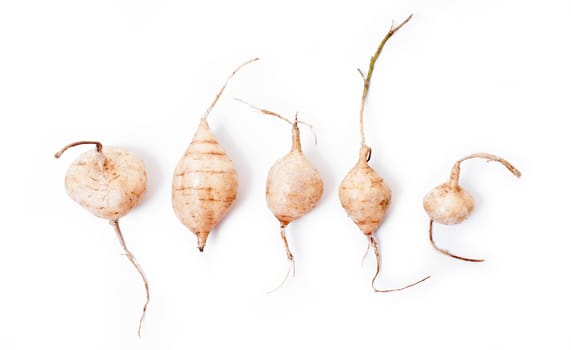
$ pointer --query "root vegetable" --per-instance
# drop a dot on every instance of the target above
(363, 193)
(293, 187)
(450, 204)
(108, 182)
(205, 182)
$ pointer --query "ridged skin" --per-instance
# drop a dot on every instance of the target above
(294, 185)
(205, 184)
(447, 205)
(108, 184)
(364, 195)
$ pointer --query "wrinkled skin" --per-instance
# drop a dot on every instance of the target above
(364, 195)
(108, 184)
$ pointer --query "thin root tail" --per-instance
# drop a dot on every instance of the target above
(374, 243)
(131, 257)
(446, 252)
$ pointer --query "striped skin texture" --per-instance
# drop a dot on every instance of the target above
(108, 184)
(205, 184)
(364, 195)
(293, 186)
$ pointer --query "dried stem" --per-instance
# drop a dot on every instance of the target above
(131, 257)
(98, 146)
(455, 173)
(274, 114)
(446, 252)
(224, 86)
(367, 79)
(373, 242)
(290, 258)
(265, 111)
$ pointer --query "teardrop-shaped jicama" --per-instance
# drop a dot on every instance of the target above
(363, 193)
(294, 186)
(450, 204)
(108, 182)
(205, 182)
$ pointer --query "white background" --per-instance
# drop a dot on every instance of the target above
(461, 77)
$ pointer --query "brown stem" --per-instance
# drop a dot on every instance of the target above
(373, 242)
(98, 146)
(455, 173)
(446, 252)
(290, 258)
(265, 111)
(286, 245)
(367, 79)
(224, 86)
(294, 123)
(131, 257)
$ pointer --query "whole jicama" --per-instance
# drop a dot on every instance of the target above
(363, 193)
(108, 182)
(205, 182)
(293, 186)
(450, 204)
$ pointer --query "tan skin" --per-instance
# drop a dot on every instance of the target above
(453, 186)
(366, 85)
(283, 225)
(115, 224)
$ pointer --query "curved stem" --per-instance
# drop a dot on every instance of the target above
(455, 173)
(98, 146)
(274, 114)
(224, 86)
(131, 257)
(367, 79)
(446, 252)
(373, 242)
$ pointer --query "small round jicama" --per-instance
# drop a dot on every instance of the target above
(205, 182)
(108, 182)
(450, 204)
(363, 193)
(293, 187)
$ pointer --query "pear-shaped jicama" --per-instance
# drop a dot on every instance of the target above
(108, 182)
(205, 182)
(450, 204)
(293, 186)
(363, 193)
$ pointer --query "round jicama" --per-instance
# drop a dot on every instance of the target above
(108, 182)
(205, 182)
(363, 193)
(293, 186)
(450, 204)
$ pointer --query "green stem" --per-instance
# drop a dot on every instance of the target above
(367, 79)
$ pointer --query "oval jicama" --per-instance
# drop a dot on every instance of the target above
(293, 186)
(450, 204)
(109, 182)
(205, 182)
(363, 193)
